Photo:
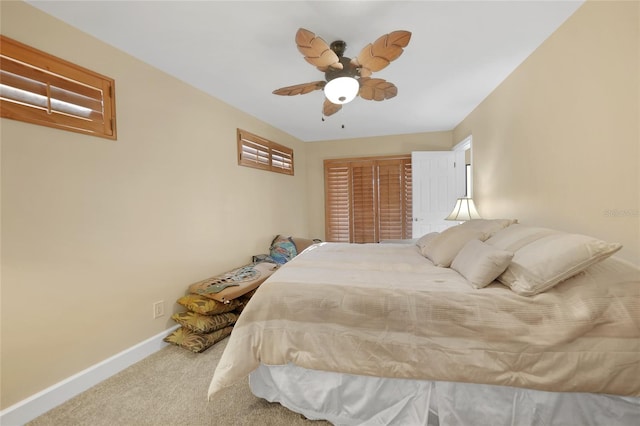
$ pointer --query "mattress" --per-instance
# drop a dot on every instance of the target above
(384, 310)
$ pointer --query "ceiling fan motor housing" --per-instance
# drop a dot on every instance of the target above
(348, 69)
(338, 47)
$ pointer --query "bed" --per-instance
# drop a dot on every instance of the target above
(379, 334)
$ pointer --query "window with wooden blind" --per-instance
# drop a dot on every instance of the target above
(42, 89)
(368, 199)
(260, 153)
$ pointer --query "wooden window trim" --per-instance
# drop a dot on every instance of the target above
(43, 89)
(260, 153)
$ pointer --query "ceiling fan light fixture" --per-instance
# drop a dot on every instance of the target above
(341, 90)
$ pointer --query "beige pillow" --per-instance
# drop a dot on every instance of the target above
(481, 263)
(302, 243)
(444, 247)
(422, 241)
(488, 226)
(517, 236)
(544, 258)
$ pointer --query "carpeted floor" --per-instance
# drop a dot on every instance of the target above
(169, 388)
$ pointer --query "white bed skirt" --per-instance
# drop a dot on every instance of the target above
(345, 399)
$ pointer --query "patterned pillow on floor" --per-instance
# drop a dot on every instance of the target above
(196, 342)
(201, 324)
(205, 306)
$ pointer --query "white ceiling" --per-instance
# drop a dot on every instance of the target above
(240, 51)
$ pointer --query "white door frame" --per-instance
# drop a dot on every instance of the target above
(461, 147)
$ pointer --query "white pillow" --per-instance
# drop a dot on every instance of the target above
(481, 263)
(488, 226)
(517, 236)
(444, 247)
(544, 257)
(425, 238)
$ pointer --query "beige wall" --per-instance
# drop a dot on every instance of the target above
(557, 143)
(317, 152)
(94, 231)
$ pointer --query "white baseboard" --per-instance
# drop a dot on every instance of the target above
(32, 407)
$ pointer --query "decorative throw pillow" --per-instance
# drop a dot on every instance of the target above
(195, 342)
(422, 241)
(282, 249)
(544, 257)
(481, 263)
(301, 244)
(236, 282)
(488, 226)
(202, 324)
(205, 306)
(444, 247)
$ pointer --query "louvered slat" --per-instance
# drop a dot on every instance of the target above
(407, 198)
(337, 196)
(363, 203)
(254, 153)
(390, 205)
(281, 160)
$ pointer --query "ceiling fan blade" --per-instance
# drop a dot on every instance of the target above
(400, 38)
(364, 72)
(329, 108)
(316, 51)
(300, 89)
(377, 55)
(377, 89)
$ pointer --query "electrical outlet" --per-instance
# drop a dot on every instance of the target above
(158, 309)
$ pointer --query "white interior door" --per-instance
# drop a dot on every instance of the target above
(438, 180)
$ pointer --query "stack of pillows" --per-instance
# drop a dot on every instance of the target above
(205, 322)
(209, 320)
(529, 260)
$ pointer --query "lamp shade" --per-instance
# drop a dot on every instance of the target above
(464, 209)
(341, 90)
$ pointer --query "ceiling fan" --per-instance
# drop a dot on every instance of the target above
(346, 78)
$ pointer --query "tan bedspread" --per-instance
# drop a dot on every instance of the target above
(385, 310)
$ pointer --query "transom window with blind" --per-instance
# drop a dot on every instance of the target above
(368, 200)
(42, 89)
(260, 153)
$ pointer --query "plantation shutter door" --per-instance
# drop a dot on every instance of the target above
(337, 178)
(390, 200)
(363, 202)
(407, 197)
(368, 199)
